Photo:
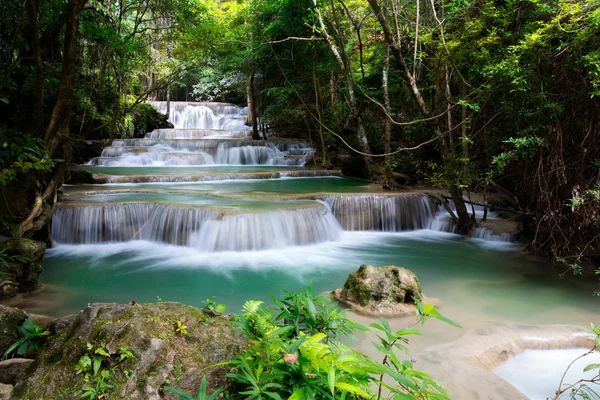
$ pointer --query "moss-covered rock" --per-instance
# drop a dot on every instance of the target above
(170, 344)
(146, 118)
(20, 272)
(10, 318)
(380, 291)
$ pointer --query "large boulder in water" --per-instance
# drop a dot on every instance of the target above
(143, 347)
(380, 291)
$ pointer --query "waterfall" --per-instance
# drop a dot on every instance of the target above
(195, 133)
(206, 230)
(269, 230)
(382, 213)
(204, 134)
(124, 222)
(221, 116)
(133, 152)
(489, 235)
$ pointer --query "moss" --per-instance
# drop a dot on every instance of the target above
(133, 327)
(145, 118)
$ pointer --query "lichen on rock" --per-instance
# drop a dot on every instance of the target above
(162, 355)
(380, 290)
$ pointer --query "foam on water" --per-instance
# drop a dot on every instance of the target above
(537, 373)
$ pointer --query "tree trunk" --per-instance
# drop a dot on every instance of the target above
(387, 171)
(168, 113)
(57, 133)
(32, 11)
(252, 108)
(344, 65)
(465, 223)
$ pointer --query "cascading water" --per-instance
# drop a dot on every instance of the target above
(204, 229)
(382, 213)
(221, 116)
(215, 134)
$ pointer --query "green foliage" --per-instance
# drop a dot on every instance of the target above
(181, 328)
(296, 350)
(5, 258)
(522, 148)
(21, 154)
(33, 338)
(99, 367)
(202, 395)
(211, 305)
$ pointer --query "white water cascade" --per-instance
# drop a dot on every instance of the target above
(204, 134)
(204, 229)
(382, 212)
(221, 116)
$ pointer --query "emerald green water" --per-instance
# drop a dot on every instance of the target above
(251, 187)
(471, 279)
(474, 280)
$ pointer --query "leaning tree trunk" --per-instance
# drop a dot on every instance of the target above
(57, 133)
(252, 108)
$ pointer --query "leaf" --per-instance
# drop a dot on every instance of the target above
(102, 352)
(299, 394)
(97, 363)
(179, 393)
(352, 389)
(408, 331)
(12, 348)
(331, 379)
(22, 349)
(220, 308)
(591, 367)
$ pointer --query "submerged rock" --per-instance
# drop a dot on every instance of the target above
(380, 291)
(143, 347)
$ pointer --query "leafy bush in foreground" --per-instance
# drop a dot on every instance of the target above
(297, 351)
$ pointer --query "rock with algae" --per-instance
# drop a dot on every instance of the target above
(171, 344)
(380, 291)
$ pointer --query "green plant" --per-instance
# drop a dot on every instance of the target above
(20, 154)
(211, 305)
(100, 388)
(297, 351)
(33, 338)
(89, 364)
(202, 395)
(181, 328)
(95, 366)
(5, 258)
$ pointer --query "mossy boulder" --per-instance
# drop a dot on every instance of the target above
(20, 273)
(380, 291)
(168, 344)
(146, 118)
(10, 318)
